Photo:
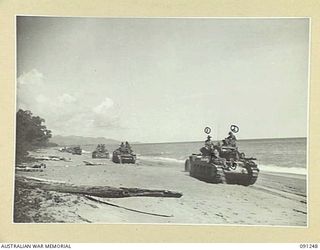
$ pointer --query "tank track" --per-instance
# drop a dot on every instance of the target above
(216, 176)
(253, 172)
(187, 165)
(217, 173)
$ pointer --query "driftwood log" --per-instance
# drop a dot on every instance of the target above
(27, 169)
(99, 191)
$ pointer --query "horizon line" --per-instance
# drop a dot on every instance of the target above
(250, 139)
(164, 142)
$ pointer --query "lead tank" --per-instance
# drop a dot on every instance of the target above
(222, 164)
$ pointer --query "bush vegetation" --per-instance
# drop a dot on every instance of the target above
(31, 133)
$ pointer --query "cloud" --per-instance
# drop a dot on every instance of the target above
(41, 99)
(104, 107)
(106, 121)
(79, 118)
(29, 90)
(65, 107)
(66, 99)
(58, 109)
(33, 77)
(66, 113)
(106, 114)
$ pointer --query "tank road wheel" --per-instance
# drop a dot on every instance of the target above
(220, 176)
(187, 166)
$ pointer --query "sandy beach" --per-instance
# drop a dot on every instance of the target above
(275, 199)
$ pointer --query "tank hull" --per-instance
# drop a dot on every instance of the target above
(123, 158)
(102, 155)
(202, 168)
(76, 151)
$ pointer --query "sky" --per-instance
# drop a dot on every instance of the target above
(165, 79)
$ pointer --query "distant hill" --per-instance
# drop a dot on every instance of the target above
(80, 140)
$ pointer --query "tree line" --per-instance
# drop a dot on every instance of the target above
(31, 133)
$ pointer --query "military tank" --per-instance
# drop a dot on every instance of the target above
(76, 150)
(124, 154)
(223, 164)
(100, 152)
(123, 157)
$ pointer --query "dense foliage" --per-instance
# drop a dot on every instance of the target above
(31, 133)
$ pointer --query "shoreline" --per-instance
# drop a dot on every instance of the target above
(274, 200)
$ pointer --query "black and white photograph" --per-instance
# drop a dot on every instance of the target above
(192, 121)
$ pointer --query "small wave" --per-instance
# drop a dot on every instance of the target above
(161, 159)
(262, 167)
(279, 169)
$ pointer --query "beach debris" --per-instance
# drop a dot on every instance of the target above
(129, 209)
(58, 158)
(31, 167)
(89, 163)
(41, 165)
(47, 180)
(27, 169)
(64, 149)
(42, 158)
(299, 211)
(51, 158)
(222, 163)
(98, 191)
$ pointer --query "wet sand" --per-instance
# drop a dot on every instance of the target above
(275, 199)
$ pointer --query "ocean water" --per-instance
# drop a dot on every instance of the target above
(273, 155)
